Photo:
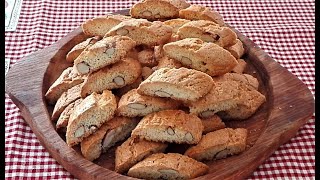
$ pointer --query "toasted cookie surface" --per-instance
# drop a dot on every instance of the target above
(63, 120)
(212, 124)
(237, 49)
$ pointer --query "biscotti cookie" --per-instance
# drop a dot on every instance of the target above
(89, 115)
(134, 150)
(62, 122)
(65, 99)
(158, 9)
(179, 84)
(173, 126)
(206, 57)
(212, 124)
(77, 49)
(99, 26)
(176, 24)
(111, 132)
(166, 62)
(245, 78)
(239, 68)
(121, 91)
(226, 95)
(168, 166)
(146, 58)
(219, 144)
(117, 75)
(133, 104)
(146, 72)
(107, 51)
(237, 50)
(208, 31)
(66, 80)
(143, 32)
(198, 12)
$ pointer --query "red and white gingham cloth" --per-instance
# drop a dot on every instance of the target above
(283, 28)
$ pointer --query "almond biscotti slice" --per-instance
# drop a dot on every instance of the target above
(133, 104)
(143, 32)
(111, 132)
(107, 51)
(166, 62)
(63, 120)
(173, 126)
(226, 95)
(114, 76)
(168, 166)
(237, 50)
(99, 26)
(78, 49)
(134, 150)
(240, 67)
(245, 78)
(212, 124)
(208, 31)
(65, 99)
(203, 56)
(179, 84)
(198, 12)
(219, 144)
(66, 80)
(158, 9)
(89, 115)
(176, 24)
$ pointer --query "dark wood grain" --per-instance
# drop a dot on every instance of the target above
(289, 105)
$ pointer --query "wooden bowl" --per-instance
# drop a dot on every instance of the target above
(289, 105)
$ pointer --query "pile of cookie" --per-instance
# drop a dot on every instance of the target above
(170, 73)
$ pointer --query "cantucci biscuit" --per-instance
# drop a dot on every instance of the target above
(133, 104)
(198, 12)
(206, 57)
(237, 49)
(121, 91)
(146, 58)
(158, 9)
(79, 48)
(212, 124)
(176, 24)
(219, 144)
(179, 84)
(226, 95)
(89, 115)
(107, 51)
(245, 78)
(65, 99)
(111, 132)
(66, 80)
(134, 150)
(100, 25)
(63, 120)
(112, 77)
(240, 67)
(168, 166)
(208, 31)
(173, 126)
(143, 32)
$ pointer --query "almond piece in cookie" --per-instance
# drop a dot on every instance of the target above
(179, 84)
(68, 79)
(107, 51)
(115, 76)
(226, 95)
(173, 126)
(79, 48)
(219, 144)
(89, 115)
(111, 132)
(208, 31)
(100, 25)
(198, 12)
(202, 56)
(143, 32)
(168, 166)
(212, 124)
(237, 50)
(158, 9)
(134, 150)
(133, 104)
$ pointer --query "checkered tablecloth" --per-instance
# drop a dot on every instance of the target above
(283, 28)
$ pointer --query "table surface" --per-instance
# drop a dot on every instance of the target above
(283, 28)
